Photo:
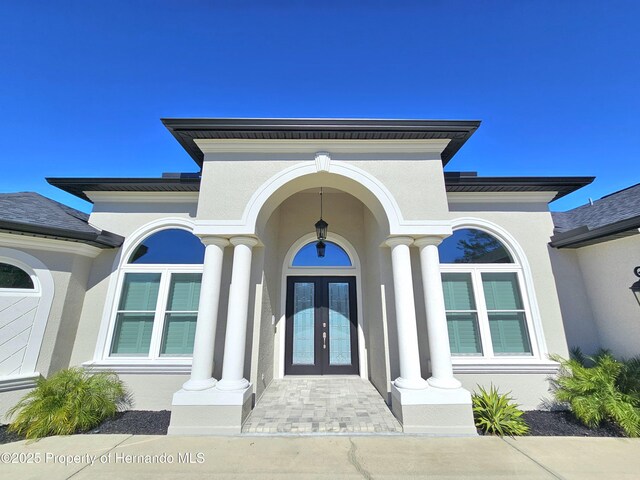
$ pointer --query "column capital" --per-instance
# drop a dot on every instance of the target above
(395, 241)
(429, 240)
(214, 240)
(248, 241)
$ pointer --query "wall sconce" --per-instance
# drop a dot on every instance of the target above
(635, 288)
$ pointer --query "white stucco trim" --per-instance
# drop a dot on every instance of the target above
(224, 146)
(354, 271)
(115, 279)
(44, 287)
(48, 244)
(19, 382)
(143, 197)
(540, 367)
(248, 223)
(500, 197)
(539, 344)
(140, 367)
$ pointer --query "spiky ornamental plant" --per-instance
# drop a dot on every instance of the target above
(497, 414)
(70, 401)
(598, 388)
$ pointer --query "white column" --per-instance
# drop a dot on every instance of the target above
(205, 337)
(410, 377)
(234, 343)
(439, 351)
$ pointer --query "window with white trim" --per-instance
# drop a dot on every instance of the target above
(14, 278)
(157, 308)
(487, 309)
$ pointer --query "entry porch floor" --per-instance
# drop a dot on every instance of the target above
(329, 404)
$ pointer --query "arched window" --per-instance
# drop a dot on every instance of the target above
(158, 297)
(12, 277)
(487, 314)
(334, 256)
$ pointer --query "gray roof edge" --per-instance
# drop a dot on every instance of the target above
(173, 123)
(78, 185)
(563, 185)
(180, 128)
(577, 236)
(100, 239)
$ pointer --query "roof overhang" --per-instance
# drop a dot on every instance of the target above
(469, 182)
(584, 236)
(188, 131)
(549, 188)
(99, 239)
(172, 183)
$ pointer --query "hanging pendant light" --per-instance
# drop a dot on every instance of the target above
(321, 231)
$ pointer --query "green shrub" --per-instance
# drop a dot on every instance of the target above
(496, 414)
(598, 388)
(70, 401)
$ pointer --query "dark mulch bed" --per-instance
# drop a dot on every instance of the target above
(132, 422)
(563, 423)
(141, 422)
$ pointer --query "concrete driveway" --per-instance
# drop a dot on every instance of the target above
(306, 457)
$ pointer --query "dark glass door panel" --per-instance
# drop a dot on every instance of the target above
(322, 332)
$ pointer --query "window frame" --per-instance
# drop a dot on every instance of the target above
(488, 356)
(21, 291)
(159, 319)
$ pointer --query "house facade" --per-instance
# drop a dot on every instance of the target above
(200, 289)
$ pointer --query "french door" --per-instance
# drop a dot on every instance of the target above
(322, 326)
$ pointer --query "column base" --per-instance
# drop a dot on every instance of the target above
(197, 385)
(448, 383)
(231, 385)
(434, 411)
(411, 384)
(209, 412)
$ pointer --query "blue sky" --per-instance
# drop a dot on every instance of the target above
(83, 84)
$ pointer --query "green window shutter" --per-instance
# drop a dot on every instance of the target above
(464, 338)
(179, 334)
(180, 321)
(134, 322)
(509, 333)
(133, 334)
(140, 291)
(458, 291)
(184, 293)
(501, 291)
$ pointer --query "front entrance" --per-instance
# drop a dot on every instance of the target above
(322, 328)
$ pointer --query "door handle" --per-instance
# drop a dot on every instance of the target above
(324, 340)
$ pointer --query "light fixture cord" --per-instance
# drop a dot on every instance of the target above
(320, 203)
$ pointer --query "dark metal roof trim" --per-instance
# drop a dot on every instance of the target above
(100, 239)
(583, 236)
(461, 182)
(454, 181)
(185, 130)
(77, 186)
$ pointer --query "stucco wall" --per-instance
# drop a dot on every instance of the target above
(232, 183)
(375, 309)
(580, 325)
(530, 391)
(607, 272)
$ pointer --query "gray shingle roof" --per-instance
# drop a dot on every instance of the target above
(612, 208)
(32, 213)
(613, 216)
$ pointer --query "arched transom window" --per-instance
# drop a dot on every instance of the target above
(14, 278)
(158, 297)
(487, 313)
(334, 256)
